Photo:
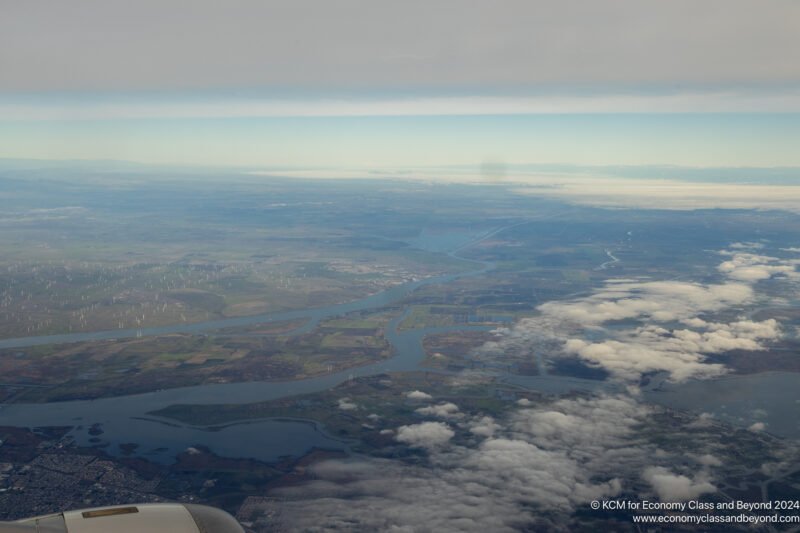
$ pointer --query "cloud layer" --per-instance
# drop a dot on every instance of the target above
(160, 45)
(662, 329)
(529, 470)
(676, 488)
(662, 193)
(120, 108)
(552, 458)
(428, 435)
(538, 463)
(751, 267)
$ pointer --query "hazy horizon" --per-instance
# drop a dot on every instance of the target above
(365, 84)
(366, 265)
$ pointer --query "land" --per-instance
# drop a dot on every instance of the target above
(124, 253)
(454, 350)
(262, 353)
(127, 254)
(381, 403)
(379, 400)
(43, 471)
(142, 255)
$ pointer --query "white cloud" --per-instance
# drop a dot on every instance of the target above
(484, 46)
(704, 420)
(629, 352)
(656, 300)
(499, 484)
(538, 465)
(557, 456)
(629, 360)
(418, 395)
(661, 193)
(681, 352)
(388, 495)
(749, 267)
(485, 427)
(442, 410)
(676, 488)
(705, 101)
(428, 435)
(747, 245)
(599, 432)
(346, 405)
(757, 426)
(550, 478)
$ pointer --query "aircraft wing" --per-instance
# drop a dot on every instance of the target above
(150, 517)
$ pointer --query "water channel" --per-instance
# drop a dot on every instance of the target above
(124, 419)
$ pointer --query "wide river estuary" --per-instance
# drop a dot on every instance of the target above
(772, 397)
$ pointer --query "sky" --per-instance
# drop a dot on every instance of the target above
(375, 84)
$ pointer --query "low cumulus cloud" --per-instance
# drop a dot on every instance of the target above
(652, 343)
(656, 300)
(675, 487)
(428, 435)
(528, 470)
(662, 193)
(746, 246)
(418, 395)
(346, 405)
(550, 458)
(389, 495)
(751, 267)
(484, 427)
(680, 352)
(541, 462)
(442, 410)
(600, 434)
(629, 360)
(703, 421)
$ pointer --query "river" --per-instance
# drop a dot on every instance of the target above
(124, 419)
